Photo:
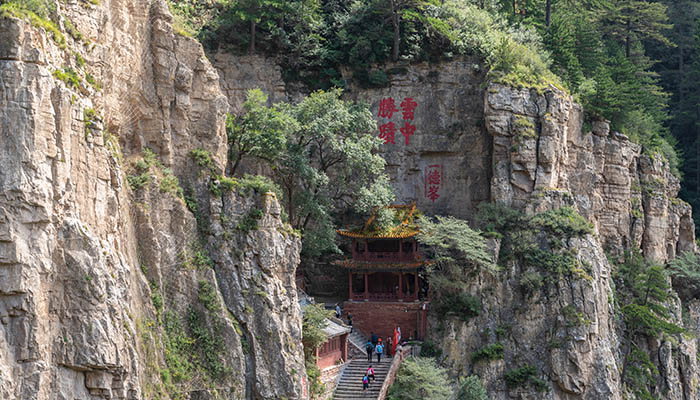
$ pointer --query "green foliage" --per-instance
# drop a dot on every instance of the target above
(314, 320)
(249, 222)
(208, 343)
(38, 12)
(531, 282)
(67, 76)
(685, 274)
(430, 349)
(177, 346)
(258, 184)
(206, 295)
(202, 158)
(524, 376)
(260, 131)
(170, 184)
(74, 33)
(491, 352)
(471, 388)
(420, 378)
(537, 242)
(450, 300)
(93, 82)
(643, 294)
(452, 239)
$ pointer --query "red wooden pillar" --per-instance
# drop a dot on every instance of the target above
(366, 287)
(344, 347)
(350, 284)
(415, 280)
(401, 286)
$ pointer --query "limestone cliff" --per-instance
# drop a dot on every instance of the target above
(529, 150)
(108, 288)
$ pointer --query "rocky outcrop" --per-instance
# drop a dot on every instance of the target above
(541, 152)
(96, 278)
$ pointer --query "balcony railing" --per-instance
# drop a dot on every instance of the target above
(387, 256)
(383, 297)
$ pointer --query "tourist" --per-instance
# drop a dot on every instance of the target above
(370, 372)
(338, 311)
(365, 383)
(389, 347)
(379, 349)
(369, 347)
(350, 321)
(374, 338)
(398, 334)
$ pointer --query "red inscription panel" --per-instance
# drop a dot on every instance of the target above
(434, 181)
(387, 108)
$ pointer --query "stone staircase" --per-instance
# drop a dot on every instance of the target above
(356, 347)
(350, 383)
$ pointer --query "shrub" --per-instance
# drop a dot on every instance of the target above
(421, 378)
(430, 349)
(460, 304)
(206, 295)
(38, 13)
(522, 376)
(531, 282)
(491, 352)
(685, 275)
(67, 76)
(249, 222)
(471, 388)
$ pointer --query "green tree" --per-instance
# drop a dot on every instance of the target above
(629, 20)
(685, 275)
(420, 378)
(261, 131)
(330, 166)
(471, 388)
(314, 320)
(644, 293)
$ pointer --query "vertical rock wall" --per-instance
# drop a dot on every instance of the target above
(82, 257)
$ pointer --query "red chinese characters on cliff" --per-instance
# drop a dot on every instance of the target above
(387, 108)
(434, 180)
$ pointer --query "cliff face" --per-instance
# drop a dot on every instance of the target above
(529, 150)
(109, 292)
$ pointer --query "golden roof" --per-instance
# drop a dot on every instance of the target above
(404, 225)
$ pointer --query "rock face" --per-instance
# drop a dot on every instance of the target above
(96, 278)
(529, 150)
(541, 152)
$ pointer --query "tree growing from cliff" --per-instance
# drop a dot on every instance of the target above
(421, 378)
(322, 153)
(644, 294)
(261, 131)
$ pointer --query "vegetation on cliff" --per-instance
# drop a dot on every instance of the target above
(321, 152)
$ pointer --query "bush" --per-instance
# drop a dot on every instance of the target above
(420, 378)
(460, 304)
(249, 222)
(430, 349)
(67, 76)
(489, 353)
(38, 13)
(471, 388)
(685, 275)
(525, 375)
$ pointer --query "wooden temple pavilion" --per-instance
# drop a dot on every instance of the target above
(385, 287)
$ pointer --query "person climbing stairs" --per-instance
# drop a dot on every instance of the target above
(350, 383)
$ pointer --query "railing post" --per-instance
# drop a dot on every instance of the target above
(366, 287)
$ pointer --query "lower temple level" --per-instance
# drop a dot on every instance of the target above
(381, 317)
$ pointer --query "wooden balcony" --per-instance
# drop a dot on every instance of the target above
(387, 257)
(383, 297)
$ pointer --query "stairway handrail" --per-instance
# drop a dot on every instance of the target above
(401, 353)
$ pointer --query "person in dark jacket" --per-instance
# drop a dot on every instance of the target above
(369, 348)
(374, 338)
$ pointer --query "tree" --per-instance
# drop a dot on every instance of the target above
(322, 154)
(471, 388)
(260, 131)
(314, 320)
(685, 274)
(644, 292)
(628, 20)
(420, 378)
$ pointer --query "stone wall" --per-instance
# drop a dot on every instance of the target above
(382, 317)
